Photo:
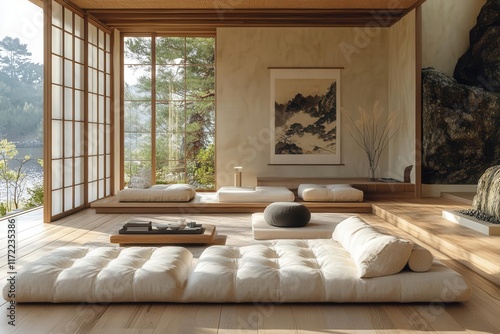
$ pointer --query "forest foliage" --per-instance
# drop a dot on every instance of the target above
(184, 99)
(21, 93)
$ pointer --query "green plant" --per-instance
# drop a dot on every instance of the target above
(3, 209)
(36, 197)
(204, 169)
(13, 177)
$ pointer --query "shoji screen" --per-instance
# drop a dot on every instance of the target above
(77, 111)
(65, 114)
(99, 117)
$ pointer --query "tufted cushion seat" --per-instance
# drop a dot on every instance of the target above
(329, 193)
(261, 194)
(158, 193)
(310, 271)
(105, 274)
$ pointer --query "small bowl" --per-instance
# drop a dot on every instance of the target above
(174, 226)
(162, 227)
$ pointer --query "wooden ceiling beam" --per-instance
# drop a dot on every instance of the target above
(156, 20)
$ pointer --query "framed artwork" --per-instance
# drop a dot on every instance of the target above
(305, 116)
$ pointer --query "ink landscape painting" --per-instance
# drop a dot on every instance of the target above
(305, 120)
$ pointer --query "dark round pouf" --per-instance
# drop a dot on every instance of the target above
(287, 214)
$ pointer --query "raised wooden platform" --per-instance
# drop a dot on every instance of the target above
(462, 197)
(423, 220)
(198, 205)
(372, 189)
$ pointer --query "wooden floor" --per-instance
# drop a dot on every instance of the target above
(419, 220)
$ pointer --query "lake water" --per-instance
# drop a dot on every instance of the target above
(34, 172)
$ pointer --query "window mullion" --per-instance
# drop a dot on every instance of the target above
(153, 108)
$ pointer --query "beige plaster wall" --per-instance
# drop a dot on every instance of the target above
(445, 31)
(243, 92)
(402, 90)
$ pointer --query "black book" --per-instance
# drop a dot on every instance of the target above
(138, 226)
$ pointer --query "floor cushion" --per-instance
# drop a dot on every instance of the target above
(105, 274)
(261, 194)
(158, 193)
(287, 214)
(319, 270)
(329, 193)
(320, 226)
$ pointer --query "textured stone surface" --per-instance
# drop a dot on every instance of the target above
(461, 130)
(480, 65)
(487, 198)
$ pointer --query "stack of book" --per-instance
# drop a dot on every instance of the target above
(138, 226)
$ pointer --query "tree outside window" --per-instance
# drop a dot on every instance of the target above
(169, 109)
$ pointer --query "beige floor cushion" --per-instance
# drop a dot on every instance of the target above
(105, 274)
(261, 194)
(329, 193)
(320, 226)
(318, 270)
(158, 193)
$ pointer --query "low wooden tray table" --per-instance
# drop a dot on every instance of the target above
(208, 237)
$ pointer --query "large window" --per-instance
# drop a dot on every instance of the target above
(169, 109)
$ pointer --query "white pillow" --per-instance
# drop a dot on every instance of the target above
(375, 254)
(139, 182)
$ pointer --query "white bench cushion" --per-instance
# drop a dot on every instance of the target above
(329, 193)
(158, 193)
(261, 194)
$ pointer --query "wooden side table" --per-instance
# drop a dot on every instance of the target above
(208, 237)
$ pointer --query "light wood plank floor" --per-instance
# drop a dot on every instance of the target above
(481, 314)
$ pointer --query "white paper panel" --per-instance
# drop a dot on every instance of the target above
(57, 170)
(57, 139)
(57, 102)
(79, 105)
(79, 176)
(68, 199)
(68, 104)
(57, 70)
(68, 172)
(57, 200)
(68, 139)
(79, 24)
(68, 45)
(68, 73)
(57, 11)
(57, 41)
(68, 20)
(79, 193)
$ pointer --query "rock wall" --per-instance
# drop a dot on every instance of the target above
(461, 118)
(461, 130)
(480, 65)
